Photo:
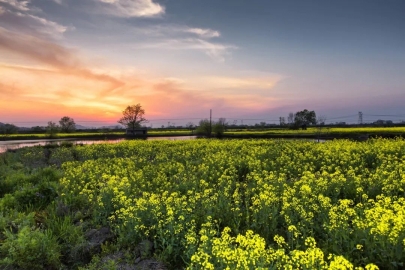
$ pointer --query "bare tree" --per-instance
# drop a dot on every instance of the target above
(133, 117)
(190, 125)
(282, 121)
(321, 120)
(52, 129)
(290, 118)
(222, 122)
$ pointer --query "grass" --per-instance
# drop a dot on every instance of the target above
(314, 131)
(332, 132)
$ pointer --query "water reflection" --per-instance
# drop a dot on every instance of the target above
(11, 145)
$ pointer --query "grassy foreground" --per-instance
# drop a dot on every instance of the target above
(205, 204)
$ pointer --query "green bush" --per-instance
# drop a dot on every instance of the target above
(37, 189)
(30, 249)
(66, 144)
(10, 182)
(7, 202)
(38, 196)
(60, 155)
(32, 157)
(218, 129)
(204, 127)
(69, 236)
(13, 220)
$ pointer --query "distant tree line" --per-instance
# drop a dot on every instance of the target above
(66, 125)
(134, 116)
(8, 129)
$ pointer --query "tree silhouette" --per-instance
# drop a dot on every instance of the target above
(67, 124)
(304, 118)
(133, 117)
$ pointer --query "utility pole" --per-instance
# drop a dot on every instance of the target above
(210, 122)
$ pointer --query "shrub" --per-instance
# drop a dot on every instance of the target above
(218, 129)
(204, 127)
(30, 249)
(38, 196)
(69, 236)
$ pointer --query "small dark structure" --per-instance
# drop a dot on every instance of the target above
(137, 132)
(363, 137)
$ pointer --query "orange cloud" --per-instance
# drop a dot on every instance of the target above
(50, 54)
(56, 82)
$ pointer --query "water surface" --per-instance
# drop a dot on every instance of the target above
(11, 145)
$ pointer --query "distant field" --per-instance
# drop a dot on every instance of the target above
(270, 132)
(322, 131)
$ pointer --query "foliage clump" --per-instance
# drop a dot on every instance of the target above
(30, 249)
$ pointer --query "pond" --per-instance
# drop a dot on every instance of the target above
(11, 145)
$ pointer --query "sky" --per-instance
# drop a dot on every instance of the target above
(256, 59)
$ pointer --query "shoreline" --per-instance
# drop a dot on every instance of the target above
(358, 136)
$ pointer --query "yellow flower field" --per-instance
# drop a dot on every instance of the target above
(248, 204)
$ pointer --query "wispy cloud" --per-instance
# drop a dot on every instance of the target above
(205, 33)
(50, 54)
(43, 25)
(242, 82)
(132, 8)
(38, 49)
(17, 4)
(23, 21)
(171, 97)
(182, 37)
(170, 30)
(216, 51)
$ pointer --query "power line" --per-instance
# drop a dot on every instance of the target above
(251, 119)
(342, 117)
(386, 115)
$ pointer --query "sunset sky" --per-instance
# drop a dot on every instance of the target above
(256, 59)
